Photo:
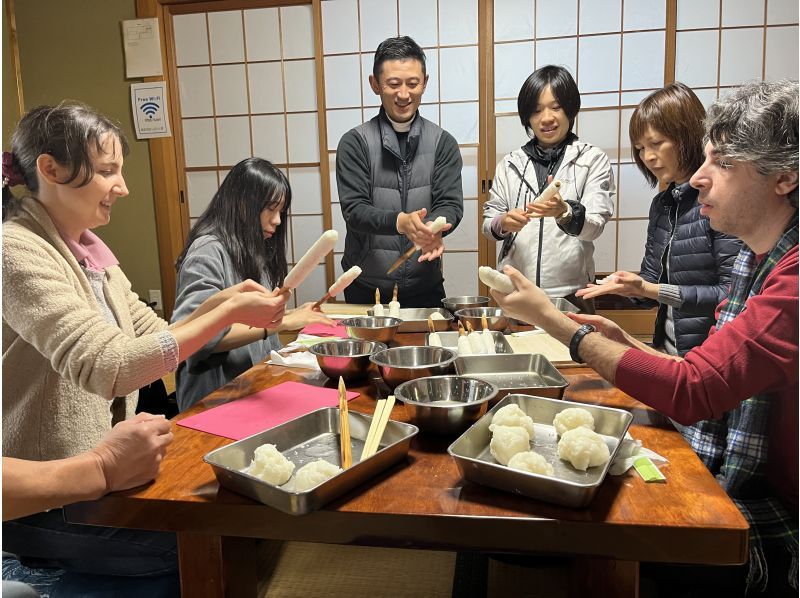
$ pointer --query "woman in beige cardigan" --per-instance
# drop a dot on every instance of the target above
(77, 341)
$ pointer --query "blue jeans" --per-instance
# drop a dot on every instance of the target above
(104, 555)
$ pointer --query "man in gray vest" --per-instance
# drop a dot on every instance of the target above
(396, 173)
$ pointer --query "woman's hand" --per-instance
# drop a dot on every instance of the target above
(554, 207)
(514, 221)
(295, 319)
(527, 303)
(257, 309)
(621, 283)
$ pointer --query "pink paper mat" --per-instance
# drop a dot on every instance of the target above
(325, 330)
(263, 410)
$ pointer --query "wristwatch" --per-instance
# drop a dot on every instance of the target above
(576, 341)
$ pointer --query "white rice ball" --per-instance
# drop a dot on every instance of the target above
(531, 462)
(313, 474)
(507, 441)
(270, 465)
(583, 448)
(571, 418)
(512, 415)
(437, 316)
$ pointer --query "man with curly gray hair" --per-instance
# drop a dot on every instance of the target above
(736, 393)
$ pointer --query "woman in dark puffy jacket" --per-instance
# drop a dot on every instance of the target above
(687, 265)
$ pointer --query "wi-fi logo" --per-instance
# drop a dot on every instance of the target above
(149, 108)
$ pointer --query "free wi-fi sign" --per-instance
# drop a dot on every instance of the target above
(150, 109)
(148, 101)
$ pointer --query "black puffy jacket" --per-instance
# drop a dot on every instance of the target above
(697, 258)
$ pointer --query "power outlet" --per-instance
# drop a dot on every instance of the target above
(155, 297)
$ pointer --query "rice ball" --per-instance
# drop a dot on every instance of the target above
(571, 418)
(507, 441)
(531, 462)
(583, 448)
(437, 316)
(313, 474)
(512, 415)
(270, 465)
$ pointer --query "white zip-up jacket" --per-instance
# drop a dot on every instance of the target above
(566, 260)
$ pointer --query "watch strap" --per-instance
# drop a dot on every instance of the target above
(575, 342)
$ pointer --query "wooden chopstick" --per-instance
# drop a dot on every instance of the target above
(379, 422)
(344, 427)
(373, 426)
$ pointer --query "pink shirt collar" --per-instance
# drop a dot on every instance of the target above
(90, 251)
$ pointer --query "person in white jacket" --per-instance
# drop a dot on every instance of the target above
(551, 241)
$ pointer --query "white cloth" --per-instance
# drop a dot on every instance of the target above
(628, 452)
(298, 359)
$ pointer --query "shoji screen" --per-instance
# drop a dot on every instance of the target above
(615, 51)
(247, 84)
(721, 44)
(352, 30)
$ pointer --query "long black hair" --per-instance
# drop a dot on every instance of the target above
(234, 217)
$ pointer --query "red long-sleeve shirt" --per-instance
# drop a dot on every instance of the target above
(755, 353)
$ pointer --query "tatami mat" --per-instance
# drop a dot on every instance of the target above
(299, 569)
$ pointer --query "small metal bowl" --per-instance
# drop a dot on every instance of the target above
(495, 318)
(401, 364)
(372, 328)
(348, 358)
(464, 301)
(445, 404)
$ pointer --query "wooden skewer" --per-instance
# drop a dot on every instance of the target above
(469, 327)
(344, 427)
(400, 260)
(381, 419)
(484, 323)
(431, 327)
(321, 301)
(394, 293)
(461, 331)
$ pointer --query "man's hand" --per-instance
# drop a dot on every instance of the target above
(130, 454)
(528, 302)
(622, 283)
(419, 233)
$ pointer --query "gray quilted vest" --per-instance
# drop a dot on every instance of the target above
(397, 185)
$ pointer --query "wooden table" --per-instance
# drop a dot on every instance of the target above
(424, 503)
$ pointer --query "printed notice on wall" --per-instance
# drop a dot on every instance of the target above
(149, 101)
(142, 48)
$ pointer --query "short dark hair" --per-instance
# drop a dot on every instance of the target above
(677, 113)
(234, 217)
(397, 48)
(564, 89)
(66, 132)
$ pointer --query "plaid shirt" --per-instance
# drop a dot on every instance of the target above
(734, 448)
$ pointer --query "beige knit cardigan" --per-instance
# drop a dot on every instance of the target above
(63, 362)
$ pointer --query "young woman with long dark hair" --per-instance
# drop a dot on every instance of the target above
(239, 236)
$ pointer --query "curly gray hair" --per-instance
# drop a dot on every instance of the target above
(757, 123)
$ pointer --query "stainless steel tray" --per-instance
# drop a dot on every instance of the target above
(568, 486)
(515, 373)
(450, 340)
(415, 319)
(302, 440)
(563, 305)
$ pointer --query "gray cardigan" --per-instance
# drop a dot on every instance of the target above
(206, 269)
